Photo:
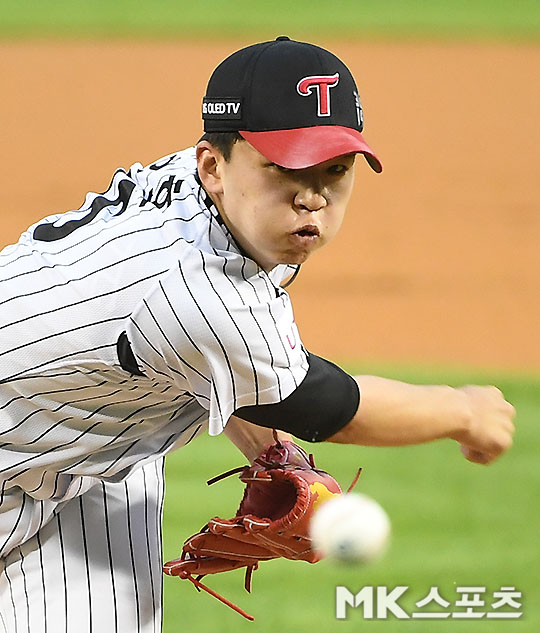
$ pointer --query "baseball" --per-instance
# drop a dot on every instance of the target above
(350, 528)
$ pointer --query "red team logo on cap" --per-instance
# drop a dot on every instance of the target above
(322, 84)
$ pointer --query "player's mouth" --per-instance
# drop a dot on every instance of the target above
(306, 235)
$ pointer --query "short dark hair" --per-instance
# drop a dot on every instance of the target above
(223, 141)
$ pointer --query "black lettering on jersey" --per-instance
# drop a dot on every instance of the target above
(126, 356)
(147, 199)
(157, 166)
(163, 197)
(165, 188)
(50, 232)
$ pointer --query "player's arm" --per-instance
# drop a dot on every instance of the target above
(393, 413)
(249, 438)
(329, 405)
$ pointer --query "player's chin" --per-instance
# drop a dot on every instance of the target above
(295, 259)
(299, 253)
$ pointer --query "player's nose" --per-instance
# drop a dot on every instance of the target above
(310, 198)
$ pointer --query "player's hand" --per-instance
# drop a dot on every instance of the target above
(489, 428)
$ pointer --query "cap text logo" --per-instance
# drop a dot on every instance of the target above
(217, 108)
(321, 84)
(359, 113)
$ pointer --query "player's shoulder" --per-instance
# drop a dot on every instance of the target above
(227, 274)
(180, 164)
(218, 282)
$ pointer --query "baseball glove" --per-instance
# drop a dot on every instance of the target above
(283, 489)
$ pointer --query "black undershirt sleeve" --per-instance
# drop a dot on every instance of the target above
(324, 402)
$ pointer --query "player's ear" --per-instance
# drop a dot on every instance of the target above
(209, 161)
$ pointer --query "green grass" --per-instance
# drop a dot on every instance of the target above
(266, 18)
(454, 523)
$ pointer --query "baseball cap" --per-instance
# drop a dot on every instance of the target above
(294, 102)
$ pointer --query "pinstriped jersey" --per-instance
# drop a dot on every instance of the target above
(150, 260)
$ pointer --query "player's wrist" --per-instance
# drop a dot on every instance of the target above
(461, 415)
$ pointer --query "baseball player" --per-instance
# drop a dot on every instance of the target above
(156, 312)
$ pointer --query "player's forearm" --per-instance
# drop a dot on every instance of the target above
(393, 413)
(249, 438)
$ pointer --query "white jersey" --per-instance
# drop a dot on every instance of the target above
(210, 330)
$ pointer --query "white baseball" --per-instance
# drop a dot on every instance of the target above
(351, 527)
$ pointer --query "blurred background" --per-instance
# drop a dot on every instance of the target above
(435, 276)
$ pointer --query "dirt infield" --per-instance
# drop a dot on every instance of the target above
(439, 257)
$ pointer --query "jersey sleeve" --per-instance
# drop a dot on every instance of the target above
(324, 403)
(219, 329)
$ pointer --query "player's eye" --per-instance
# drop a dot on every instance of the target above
(338, 170)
